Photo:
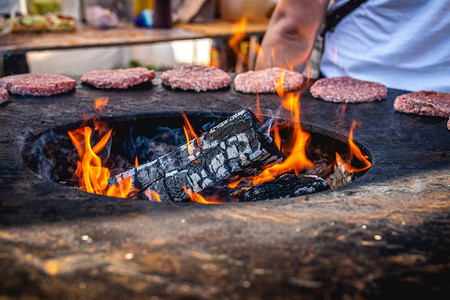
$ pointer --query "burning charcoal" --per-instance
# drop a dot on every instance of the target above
(288, 185)
(235, 147)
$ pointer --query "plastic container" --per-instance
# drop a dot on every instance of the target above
(253, 10)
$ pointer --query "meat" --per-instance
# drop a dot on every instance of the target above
(196, 77)
(37, 84)
(267, 81)
(119, 78)
(3, 95)
(429, 103)
(347, 90)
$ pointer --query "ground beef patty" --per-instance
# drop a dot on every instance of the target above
(3, 95)
(196, 77)
(37, 84)
(119, 78)
(347, 90)
(265, 81)
(429, 103)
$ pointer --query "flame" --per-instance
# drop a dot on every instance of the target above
(100, 104)
(235, 43)
(308, 68)
(342, 113)
(190, 133)
(234, 184)
(354, 151)
(92, 176)
(238, 30)
(279, 86)
(152, 195)
(297, 160)
(121, 189)
(258, 110)
(197, 198)
(276, 137)
(136, 162)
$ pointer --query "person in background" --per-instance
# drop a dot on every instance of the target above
(402, 44)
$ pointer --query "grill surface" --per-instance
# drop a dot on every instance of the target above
(386, 234)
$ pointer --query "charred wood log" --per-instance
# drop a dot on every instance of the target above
(236, 147)
(340, 176)
(285, 186)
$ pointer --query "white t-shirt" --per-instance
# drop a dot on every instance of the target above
(403, 44)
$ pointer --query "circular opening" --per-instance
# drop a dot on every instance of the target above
(143, 138)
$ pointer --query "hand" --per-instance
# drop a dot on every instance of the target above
(291, 33)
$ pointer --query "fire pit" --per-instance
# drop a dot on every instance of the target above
(141, 138)
(385, 234)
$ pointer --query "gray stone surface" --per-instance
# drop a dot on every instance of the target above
(384, 235)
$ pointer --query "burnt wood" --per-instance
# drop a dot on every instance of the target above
(237, 146)
(287, 185)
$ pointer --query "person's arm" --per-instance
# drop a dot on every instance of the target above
(291, 33)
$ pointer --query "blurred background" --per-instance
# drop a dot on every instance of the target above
(158, 56)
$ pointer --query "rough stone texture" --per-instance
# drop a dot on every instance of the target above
(234, 147)
(385, 235)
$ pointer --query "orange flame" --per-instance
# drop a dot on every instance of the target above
(190, 133)
(297, 160)
(100, 104)
(354, 152)
(234, 184)
(92, 176)
(197, 198)
(152, 195)
(279, 86)
(276, 137)
(136, 162)
(235, 43)
(258, 110)
(342, 113)
(308, 68)
(239, 34)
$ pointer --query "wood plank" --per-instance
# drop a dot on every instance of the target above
(86, 37)
(222, 28)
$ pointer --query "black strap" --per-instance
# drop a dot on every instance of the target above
(333, 18)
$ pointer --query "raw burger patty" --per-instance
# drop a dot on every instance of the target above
(3, 95)
(196, 77)
(429, 103)
(118, 79)
(37, 84)
(265, 81)
(347, 90)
